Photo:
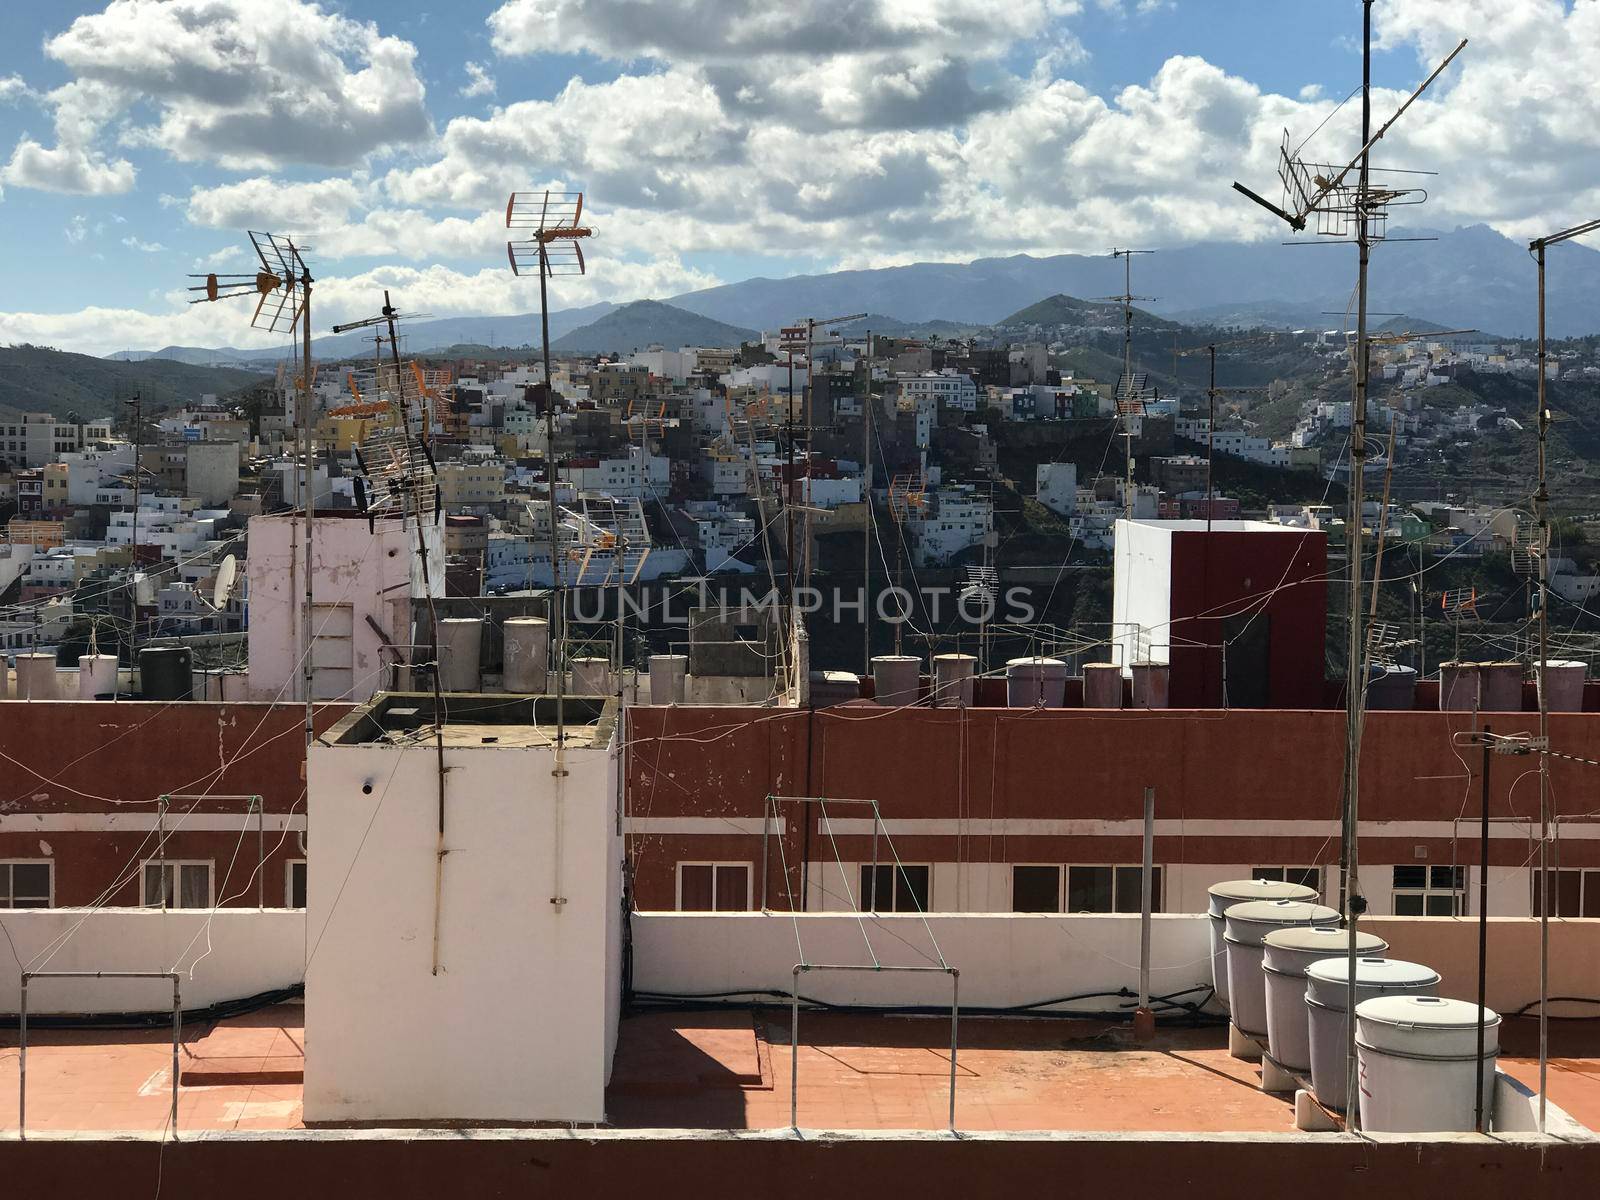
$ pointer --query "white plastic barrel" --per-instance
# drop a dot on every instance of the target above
(1247, 925)
(1563, 684)
(525, 655)
(1102, 685)
(1285, 956)
(591, 676)
(896, 679)
(669, 674)
(1031, 682)
(952, 680)
(97, 675)
(460, 651)
(1223, 896)
(1327, 991)
(1418, 1063)
(36, 677)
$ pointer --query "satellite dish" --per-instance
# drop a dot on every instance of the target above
(227, 577)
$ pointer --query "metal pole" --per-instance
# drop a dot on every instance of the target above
(766, 830)
(558, 607)
(1483, 926)
(955, 1016)
(1147, 896)
(794, 1051)
(1355, 665)
(22, 1062)
(1541, 500)
(1211, 433)
(261, 852)
(161, 851)
(308, 428)
(177, 1035)
(868, 526)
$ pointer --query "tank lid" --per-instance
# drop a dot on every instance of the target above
(1329, 939)
(1035, 662)
(895, 658)
(974, 658)
(1280, 912)
(1260, 889)
(1430, 1012)
(1374, 972)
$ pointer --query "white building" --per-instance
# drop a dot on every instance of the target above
(496, 965)
(34, 439)
(360, 578)
(948, 389)
(1057, 486)
(957, 516)
(638, 475)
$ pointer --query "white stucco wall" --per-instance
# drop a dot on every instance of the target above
(250, 951)
(519, 1022)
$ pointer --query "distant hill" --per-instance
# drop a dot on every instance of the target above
(416, 337)
(1069, 310)
(39, 379)
(649, 322)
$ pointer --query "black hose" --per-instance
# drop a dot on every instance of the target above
(1533, 1004)
(219, 1011)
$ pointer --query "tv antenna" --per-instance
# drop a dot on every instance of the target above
(282, 287)
(1212, 392)
(1132, 390)
(1343, 209)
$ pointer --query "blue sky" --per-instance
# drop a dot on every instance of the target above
(717, 139)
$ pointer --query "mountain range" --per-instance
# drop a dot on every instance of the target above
(1466, 278)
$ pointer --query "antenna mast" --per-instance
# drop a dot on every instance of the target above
(1130, 394)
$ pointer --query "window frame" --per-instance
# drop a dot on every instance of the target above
(715, 865)
(897, 869)
(1461, 891)
(1283, 875)
(288, 882)
(1157, 897)
(8, 898)
(1588, 886)
(1061, 886)
(176, 865)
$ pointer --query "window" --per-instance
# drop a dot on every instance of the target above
(1110, 889)
(713, 887)
(1310, 877)
(296, 880)
(1430, 891)
(892, 889)
(1035, 889)
(187, 885)
(1574, 892)
(27, 884)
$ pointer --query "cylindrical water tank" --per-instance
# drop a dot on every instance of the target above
(1392, 688)
(1564, 692)
(1458, 686)
(460, 652)
(525, 651)
(1418, 1059)
(1247, 924)
(165, 673)
(669, 675)
(591, 676)
(952, 680)
(1223, 896)
(1102, 685)
(1031, 682)
(1286, 955)
(1151, 684)
(97, 676)
(833, 687)
(1502, 686)
(895, 679)
(36, 677)
(1328, 990)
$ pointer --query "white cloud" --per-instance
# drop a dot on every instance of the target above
(13, 88)
(479, 82)
(77, 228)
(137, 243)
(265, 203)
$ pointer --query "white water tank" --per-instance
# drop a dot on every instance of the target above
(97, 676)
(460, 652)
(1565, 684)
(1247, 924)
(1328, 990)
(525, 656)
(591, 677)
(1418, 1059)
(1286, 955)
(669, 675)
(1151, 684)
(1502, 686)
(952, 680)
(36, 677)
(1223, 896)
(896, 679)
(1031, 682)
(1102, 685)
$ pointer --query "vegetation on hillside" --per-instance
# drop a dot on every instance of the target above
(40, 379)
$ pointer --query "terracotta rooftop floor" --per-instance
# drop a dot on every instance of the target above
(728, 1069)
